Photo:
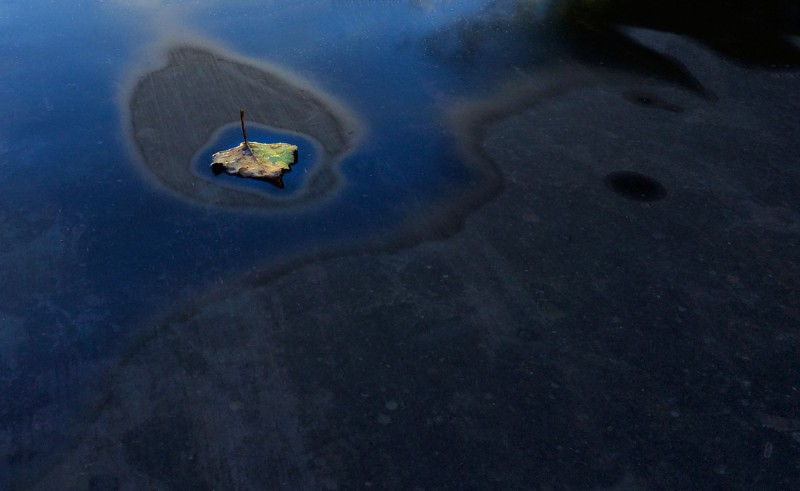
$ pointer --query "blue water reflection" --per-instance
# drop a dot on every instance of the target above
(63, 109)
(100, 249)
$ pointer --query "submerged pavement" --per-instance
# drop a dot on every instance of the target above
(175, 111)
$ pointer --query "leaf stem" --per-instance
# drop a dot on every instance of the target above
(244, 133)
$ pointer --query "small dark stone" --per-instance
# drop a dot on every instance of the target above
(635, 186)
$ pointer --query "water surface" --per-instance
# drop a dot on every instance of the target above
(462, 303)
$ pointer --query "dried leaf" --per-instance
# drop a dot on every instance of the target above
(263, 161)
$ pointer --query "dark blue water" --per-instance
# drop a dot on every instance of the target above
(68, 162)
(95, 249)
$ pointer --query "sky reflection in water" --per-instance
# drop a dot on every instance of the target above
(65, 111)
(102, 248)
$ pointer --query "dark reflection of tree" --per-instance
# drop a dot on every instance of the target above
(531, 32)
(749, 31)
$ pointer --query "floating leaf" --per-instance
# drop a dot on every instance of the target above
(263, 161)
